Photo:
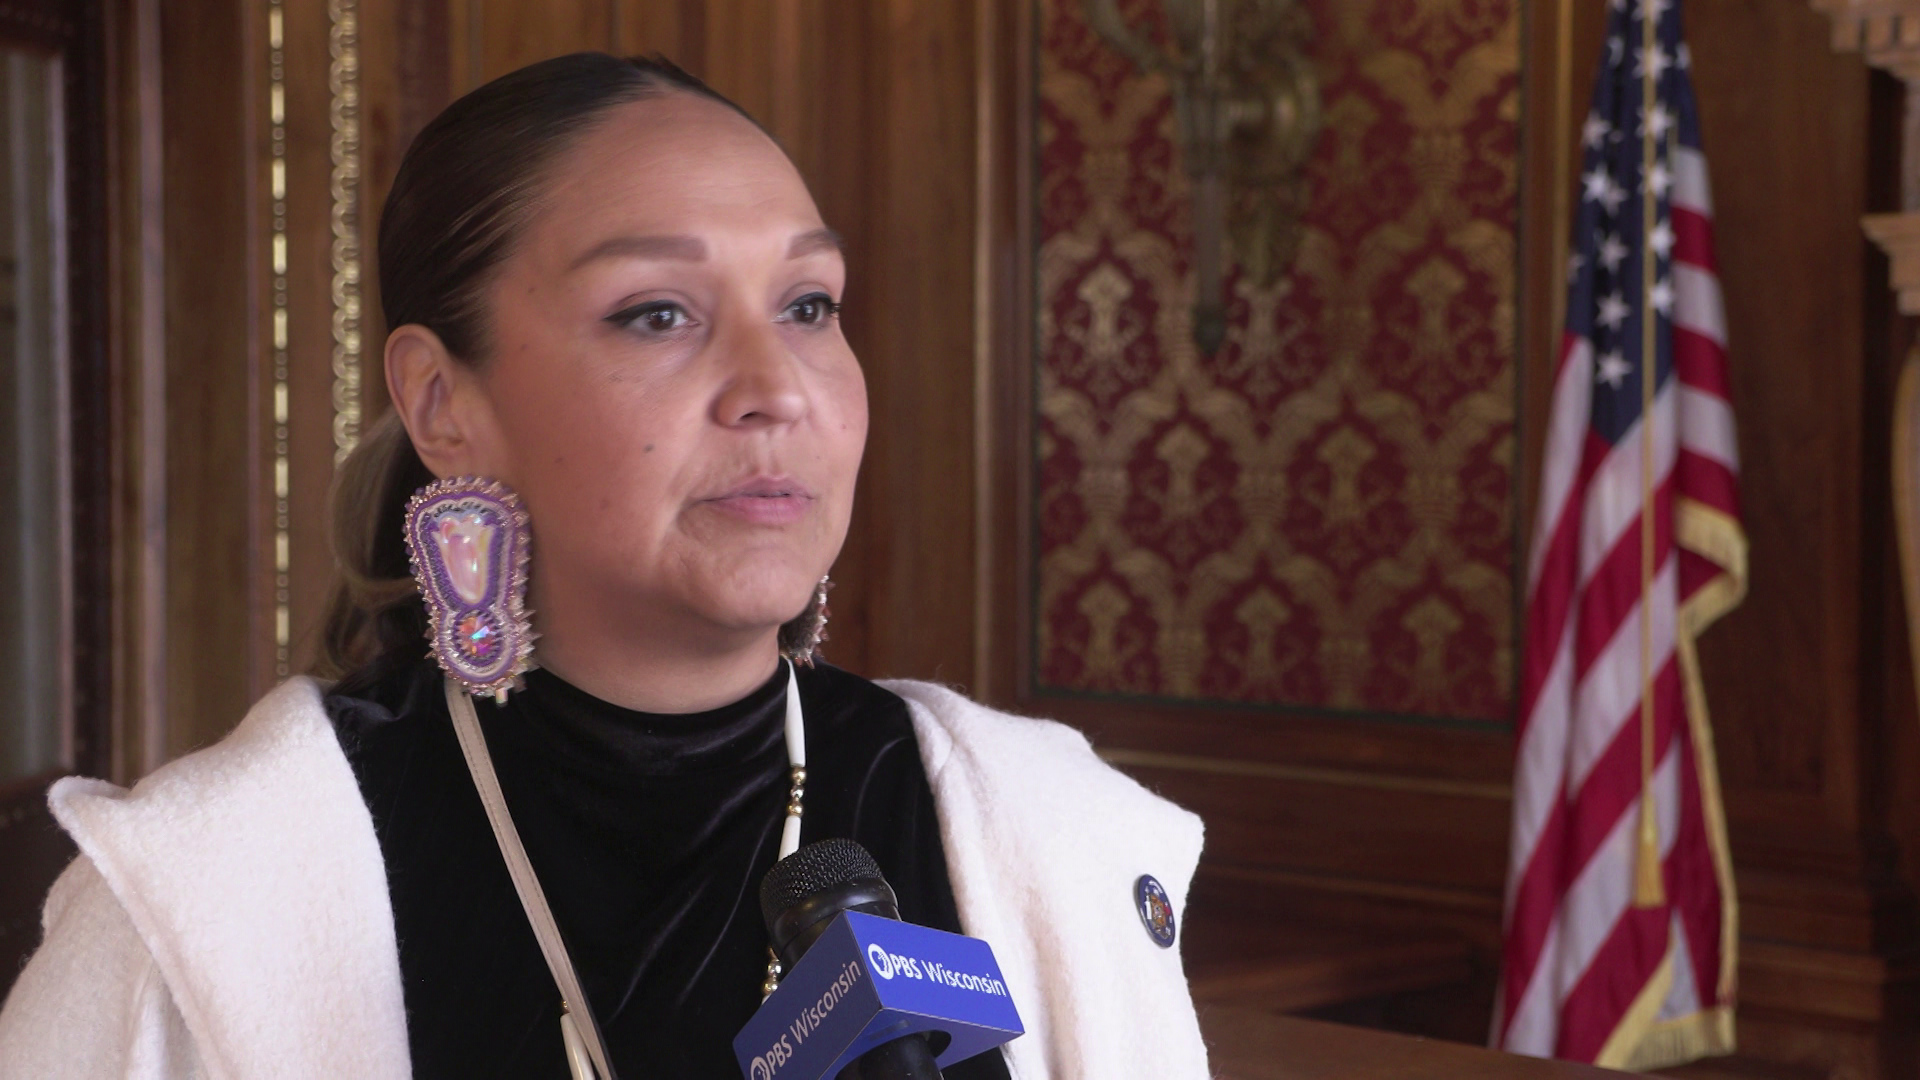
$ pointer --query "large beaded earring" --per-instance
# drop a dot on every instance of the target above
(467, 539)
(800, 637)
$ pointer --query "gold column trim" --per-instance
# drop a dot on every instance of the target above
(343, 115)
(277, 268)
(1307, 774)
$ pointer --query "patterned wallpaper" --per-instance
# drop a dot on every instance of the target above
(1321, 514)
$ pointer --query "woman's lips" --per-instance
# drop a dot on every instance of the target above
(765, 501)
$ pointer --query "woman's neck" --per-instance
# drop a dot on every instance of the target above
(658, 672)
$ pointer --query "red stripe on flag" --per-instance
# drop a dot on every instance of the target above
(1547, 608)
(1706, 481)
(1573, 832)
(1616, 976)
(1536, 896)
(1613, 785)
(1693, 239)
(1692, 880)
(1696, 573)
(1701, 363)
(1613, 588)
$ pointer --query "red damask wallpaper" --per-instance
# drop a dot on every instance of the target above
(1321, 514)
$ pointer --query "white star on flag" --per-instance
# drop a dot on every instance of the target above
(1661, 121)
(1661, 239)
(1613, 311)
(1654, 59)
(1613, 196)
(1595, 185)
(1660, 178)
(1613, 368)
(1662, 296)
(1574, 263)
(1595, 130)
(1612, 251)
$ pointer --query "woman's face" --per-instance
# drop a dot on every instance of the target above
(666, 385)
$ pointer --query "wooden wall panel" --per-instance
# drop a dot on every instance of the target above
(1787, 714)
(219, 636)
(916, 514)
(310, 445)
(501, 35)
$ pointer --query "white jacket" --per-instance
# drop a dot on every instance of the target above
(228, 918)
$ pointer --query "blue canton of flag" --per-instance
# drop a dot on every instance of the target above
(1607, 295)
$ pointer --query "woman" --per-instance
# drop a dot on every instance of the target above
(624, 417)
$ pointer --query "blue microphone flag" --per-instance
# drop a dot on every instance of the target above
(870, 980)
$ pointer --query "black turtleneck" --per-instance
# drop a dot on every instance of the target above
(650, 834)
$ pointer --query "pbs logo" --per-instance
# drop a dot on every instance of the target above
(767, 1064)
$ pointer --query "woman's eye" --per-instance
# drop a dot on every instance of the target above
(812, 310)
(658, 317)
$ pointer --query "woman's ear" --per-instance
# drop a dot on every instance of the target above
(434, 397)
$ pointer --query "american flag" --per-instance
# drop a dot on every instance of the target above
(1621, 922)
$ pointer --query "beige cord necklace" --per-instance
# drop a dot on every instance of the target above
(586, 1051)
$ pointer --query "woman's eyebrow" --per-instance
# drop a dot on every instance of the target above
(809, 243)
(678, 248)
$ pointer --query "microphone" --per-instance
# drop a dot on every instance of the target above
(866, 996)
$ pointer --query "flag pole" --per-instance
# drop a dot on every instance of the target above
(1649, 890)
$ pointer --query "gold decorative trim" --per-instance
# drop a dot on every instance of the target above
(1304, 774)
(277, 248)
(343, 115)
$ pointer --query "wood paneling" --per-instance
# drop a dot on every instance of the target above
(1787, 719)
(219, 634)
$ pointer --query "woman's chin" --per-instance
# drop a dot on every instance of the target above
(750, 611)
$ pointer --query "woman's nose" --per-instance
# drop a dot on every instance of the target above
(764, 384)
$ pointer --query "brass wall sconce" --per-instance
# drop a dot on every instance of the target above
(1247, 105)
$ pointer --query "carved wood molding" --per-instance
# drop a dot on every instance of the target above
(1886, 32)
(1899, 236)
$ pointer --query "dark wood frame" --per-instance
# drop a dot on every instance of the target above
(31, 845)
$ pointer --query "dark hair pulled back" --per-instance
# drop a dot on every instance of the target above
(458, 204)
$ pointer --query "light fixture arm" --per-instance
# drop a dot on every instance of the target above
(1247, 109)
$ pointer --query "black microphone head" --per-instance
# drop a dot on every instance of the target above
(805, 890)
(815, 868)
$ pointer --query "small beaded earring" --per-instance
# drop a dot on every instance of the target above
(801, 636)
(467, 539)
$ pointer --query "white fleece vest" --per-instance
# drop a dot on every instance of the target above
(228, 918)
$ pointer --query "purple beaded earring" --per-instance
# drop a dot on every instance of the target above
(467, 538)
